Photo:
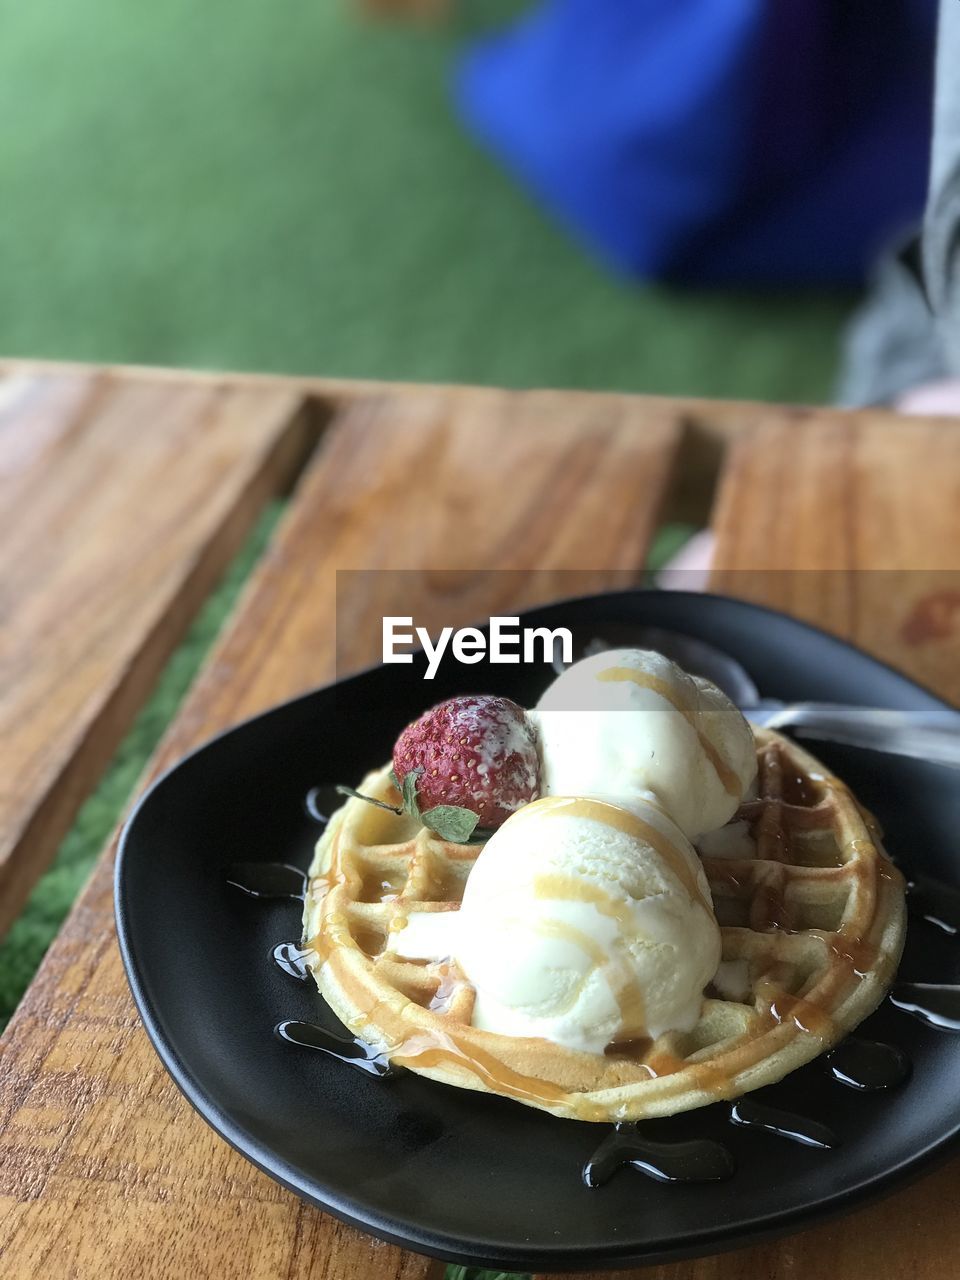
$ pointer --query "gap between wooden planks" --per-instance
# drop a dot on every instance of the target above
(104, 1169)
(121, 502)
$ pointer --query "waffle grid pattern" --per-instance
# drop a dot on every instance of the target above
(812, 930)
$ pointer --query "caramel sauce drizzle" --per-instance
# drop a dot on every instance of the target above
(633, 1010)
(708, 1076)
(804, 1014)
(437, 1049)
(564, 932)
(616, 675)
(440, 1046)
(852, 950)
(611, 815)
(451, 980)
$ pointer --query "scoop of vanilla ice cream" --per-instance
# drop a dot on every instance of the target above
(587, 923)
(626, 722)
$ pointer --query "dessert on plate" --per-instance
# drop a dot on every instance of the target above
(623, 903)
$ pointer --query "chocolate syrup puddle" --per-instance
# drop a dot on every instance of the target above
(698, 1161)
(343, 1048)
(935, 902)
(867, 1065)
(268, 879)
(935, 1003)
(321, 802)
(747, 1114)
(292, 959)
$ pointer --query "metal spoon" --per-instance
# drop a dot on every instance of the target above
(923, 735)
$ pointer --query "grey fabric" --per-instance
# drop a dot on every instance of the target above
(907, 331)
(892, 342)
(941, 247)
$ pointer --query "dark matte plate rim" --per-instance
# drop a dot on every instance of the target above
(572, 1258)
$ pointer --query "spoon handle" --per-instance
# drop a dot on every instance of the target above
(923, 735)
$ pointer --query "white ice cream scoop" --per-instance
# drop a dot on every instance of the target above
(584, 923)
(627, 722)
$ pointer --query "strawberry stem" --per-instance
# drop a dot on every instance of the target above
(358, 795)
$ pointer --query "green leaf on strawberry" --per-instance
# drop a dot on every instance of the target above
(451, 822)
(409, 792)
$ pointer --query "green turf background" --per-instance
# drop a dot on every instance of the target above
(282, 187)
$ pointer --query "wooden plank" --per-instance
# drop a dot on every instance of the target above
(729, 416)
(716, 421)
(847, 1249)
(851, 521)
(120, 504)
(98, 1152)
(710, 426)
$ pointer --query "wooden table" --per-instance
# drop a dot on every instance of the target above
(123, 495)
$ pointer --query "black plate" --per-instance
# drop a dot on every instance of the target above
(467, 1177)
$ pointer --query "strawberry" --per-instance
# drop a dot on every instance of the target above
(476, 753)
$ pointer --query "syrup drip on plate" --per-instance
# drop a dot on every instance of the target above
(344, 1048)
(935, 902)
(867, 1065)
(935, 1003)
(268, 879)
(698, 1161)
(320, 803)
(748, 1114)
(293, 959)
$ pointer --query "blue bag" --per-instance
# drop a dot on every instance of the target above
(751, 141)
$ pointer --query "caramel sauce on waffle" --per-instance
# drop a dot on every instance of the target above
(775, 889)
(711, 1077)
(319, 886)
(616, 675)
(436, 1049)
(380, 886)
(797, 790)
(634, 1048)
(769, 908)
(440, 1046)
(805, 1015)
(451, 980)
(857, 954)
(370, 941)
(856, 1063)
(724, 873)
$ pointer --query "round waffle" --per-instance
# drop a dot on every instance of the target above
(811, 912)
